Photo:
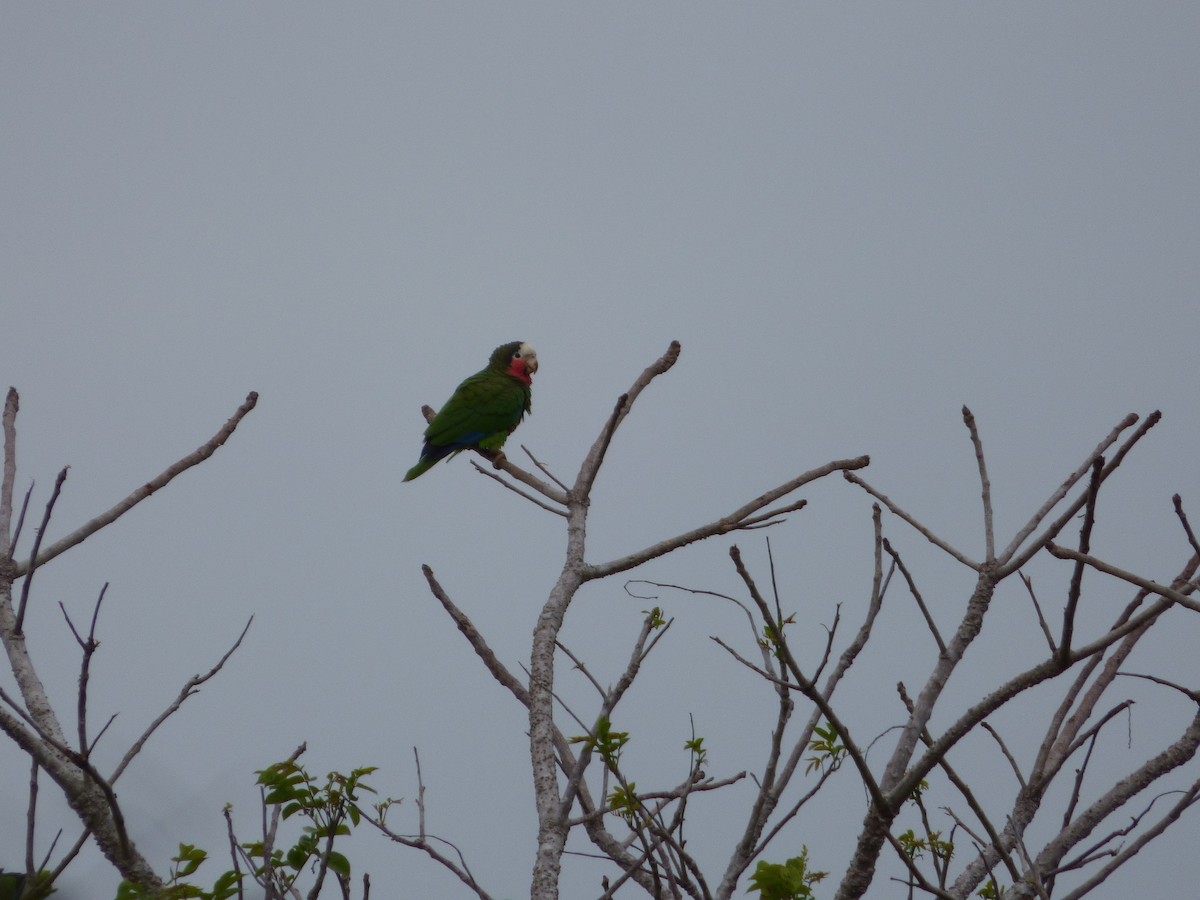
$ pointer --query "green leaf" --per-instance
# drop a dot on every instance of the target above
(190, 858)
(789, 881)
(339, 864)
(226, 886)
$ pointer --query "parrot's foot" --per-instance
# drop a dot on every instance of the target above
(499, 459)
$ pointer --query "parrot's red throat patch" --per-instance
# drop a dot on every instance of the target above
(520, 371)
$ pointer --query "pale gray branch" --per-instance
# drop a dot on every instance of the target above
(1145, 583)
(1065, 488)
(735, 521)
(989, 532)
(11, 404)
(475, 639)
(192, 459)
(513, 471)
(545, 470)
(186, 691)
(898, 511)
(1011, 562)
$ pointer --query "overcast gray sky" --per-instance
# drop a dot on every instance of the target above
(855, 218)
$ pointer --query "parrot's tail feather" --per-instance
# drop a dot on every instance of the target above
(430, 456)
(419, 469)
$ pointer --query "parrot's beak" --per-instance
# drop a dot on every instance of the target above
(532, 365)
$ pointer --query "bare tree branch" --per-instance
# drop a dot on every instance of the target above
(1028, 582)
(1010, 563)
(1145, 583)
(37, 542)
(471, 633)
(1189, 798)
(989, 532)
(921, 529)
(192, 459)
(543, 468)
(1178, 753)
(20, 522)
(1063, 489)
(11, 404)
(735, 521)
(186, 691)
(1177, 501)
(912, 587)
(509, 469)
(1085, 536)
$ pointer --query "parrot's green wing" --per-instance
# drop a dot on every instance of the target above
(482, 413)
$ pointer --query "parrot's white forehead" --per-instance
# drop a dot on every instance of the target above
(525, 351)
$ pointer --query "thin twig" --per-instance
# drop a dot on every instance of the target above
(1011, 562)
(808, 689)
(1060, 494)
(1085, 537)
(420, 795)
(965, 791)
(37, 542)
(545, 470)
(460, 869)
(611, 698)
(1037, 608)
(1145, 583)
(471, 633)
(1077, 786)
(898, 511)
(735, 521)
(11, 551)
(595, 458)
(1012, 761)
(233, 850)
(31, 818)
(532, 499)
(1190, 797)
(89, 649)
(912, 587)
(1177, 502)
(1194, 696)
(591, 462)
(188, 690)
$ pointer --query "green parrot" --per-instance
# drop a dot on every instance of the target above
(484, 410)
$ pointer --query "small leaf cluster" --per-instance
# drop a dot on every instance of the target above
(624, 802)
(772, 639)
(328, 806)
(791, 880)
(607, 742)
(699, 752)
(827, 751)
(332, 811)
(184, 865)
(915, 847)
(15, 886)
(655, 617)
(992, 891)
